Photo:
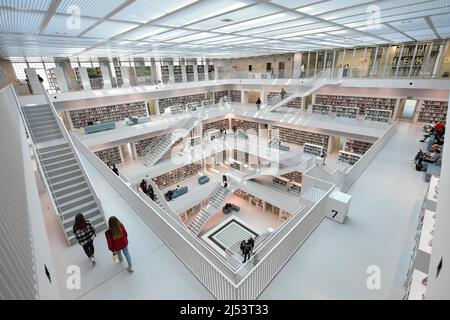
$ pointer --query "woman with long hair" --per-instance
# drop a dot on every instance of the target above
(85, 233)
(117, 239)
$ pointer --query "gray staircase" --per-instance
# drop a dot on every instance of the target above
(218, 198)
(41, 123)
(70, 190)
(163, 143)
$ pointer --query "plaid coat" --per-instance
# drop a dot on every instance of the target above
(85, 235)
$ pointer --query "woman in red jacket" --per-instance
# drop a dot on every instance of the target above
(117, 238)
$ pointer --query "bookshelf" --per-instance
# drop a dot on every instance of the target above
(207, 103)
(118, 73)
(165, 74)
(216, 125)
(110, 156)
(432, 111)
(141, 145)
(220, 157)
(190, 73)
(348, 157)
(240, 156)
(80, 118)
(358, 147)
(299, 137)
(244, 125)
(181, 100)
(284, 215)
(378, 115)
(295, 187)
(192, 106)
(235, 96)
(281, 183)
(211, 72)
(294, 176)
(220, 94)
(361, 103)
(176, 176)
(201, 72)
(52, 80)
(321, 109)
(296, 103)
(346, 112)
(177, 74)
(178, 108)
(312, 149)
(257, 202)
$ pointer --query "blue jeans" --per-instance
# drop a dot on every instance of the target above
(126, 254)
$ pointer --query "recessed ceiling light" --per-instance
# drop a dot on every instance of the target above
(226, 20)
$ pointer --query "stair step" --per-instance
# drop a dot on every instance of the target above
(42, 128)
(38, 116)
(60, 164)
(87, 215)
(79, 209)
(48, 138)
(70, 189)
(46, 133)
(66, 176)
(53, 148)
(58, 159)
(71, 182)
(97, 220)
(66, 199)
(62, 170)
(76, 203)
(48, 121)
(53, 154)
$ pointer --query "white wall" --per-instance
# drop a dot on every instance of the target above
(439, 288)
(22, 229)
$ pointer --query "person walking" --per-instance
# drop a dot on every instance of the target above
(302, 71)
(115, 170)
(323, 155)
(144, 186)
(247, 252)
(258, 104)
(251, 243)
(283, 93)
(85, 233)
(242, 247)
(117, 238)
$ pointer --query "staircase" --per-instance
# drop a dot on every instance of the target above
(41, 123)
(162, 144)
(219, 196)
(60, 167)
(311, 85)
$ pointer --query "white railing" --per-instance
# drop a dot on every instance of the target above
(356, 170)
(282, 246)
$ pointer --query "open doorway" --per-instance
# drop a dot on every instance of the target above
(407, 109)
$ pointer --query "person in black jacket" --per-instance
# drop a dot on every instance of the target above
(247, 252)
(115, 170)
(85, 233)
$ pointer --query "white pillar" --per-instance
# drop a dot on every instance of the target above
(125, 77)
(183, 70)
(106, 77)
(297, 65)
(61, 79)
(216, 71)
(206, 70)
(154, 69)
(36, 87)
(85, 81)
(171, 74)
(195, 71)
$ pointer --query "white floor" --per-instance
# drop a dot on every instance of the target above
(380, 228)
(331, 264)
(158, 272)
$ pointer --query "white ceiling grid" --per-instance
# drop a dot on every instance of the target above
(216, 28)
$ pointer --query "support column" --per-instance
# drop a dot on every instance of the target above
(206, 70)
(67, 73)
(61, 79)
(106, 77)
(125, 77)
(85, 81)
(195, 70)
(183, 70)
(154, 69)
(171, 74)
(35, 85)
(297, 65)
(216, 71)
